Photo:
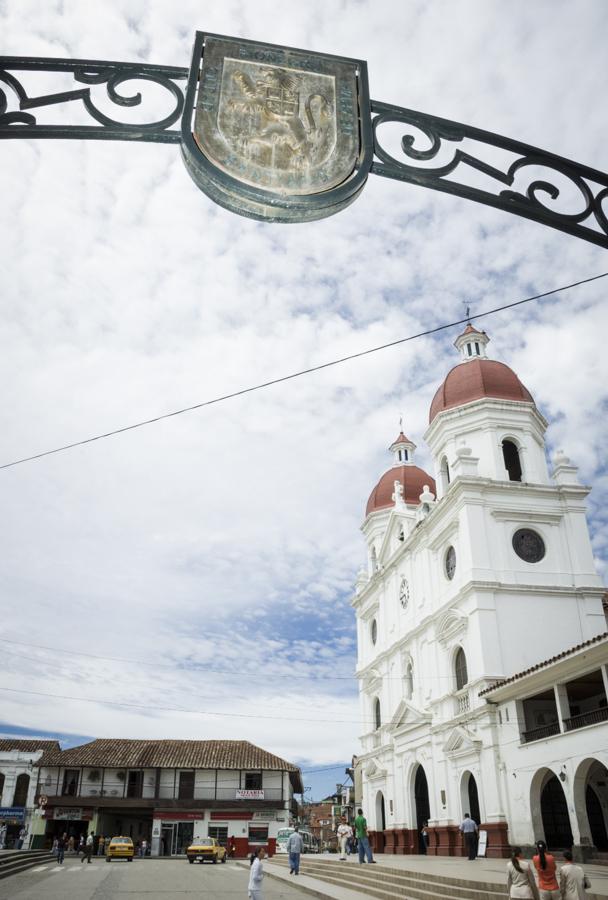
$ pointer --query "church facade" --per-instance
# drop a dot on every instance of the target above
(482, 645)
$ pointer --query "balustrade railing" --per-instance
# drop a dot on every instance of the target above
(537, 734)
(593, 717)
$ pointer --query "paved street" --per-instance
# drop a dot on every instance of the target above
(139, 880)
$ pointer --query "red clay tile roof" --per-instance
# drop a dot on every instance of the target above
(121, 753)
(27, 746)
(476, 379)
(470, 329)
(400, 439)
(546, 662)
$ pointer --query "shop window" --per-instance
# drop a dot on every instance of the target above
(512, 461)
(258, 834)
(220, 833)
(253, 781)
(186, 786)
(135, 783)
(460, 669)
(70, 783)
(21, 788)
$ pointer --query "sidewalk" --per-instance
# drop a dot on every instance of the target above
(489, 873)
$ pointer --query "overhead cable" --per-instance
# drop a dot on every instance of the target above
(308, 371)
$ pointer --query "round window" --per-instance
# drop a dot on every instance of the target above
(528, 545)
(450, 563)
(374, 631)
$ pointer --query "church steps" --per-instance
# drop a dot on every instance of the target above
(384, 882)
(19, 860)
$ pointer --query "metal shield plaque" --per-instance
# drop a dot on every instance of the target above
(275, 133)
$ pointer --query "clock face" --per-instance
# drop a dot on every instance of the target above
(528, 545)
(404, 593)
(450, 563)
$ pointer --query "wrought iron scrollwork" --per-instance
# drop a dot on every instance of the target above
(443, 136)
(21, 122)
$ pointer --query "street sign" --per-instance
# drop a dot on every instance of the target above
(14, 813)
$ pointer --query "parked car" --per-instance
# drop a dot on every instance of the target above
(206, 849)
(120, 848)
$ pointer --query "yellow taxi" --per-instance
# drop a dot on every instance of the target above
(120, 848)
(206, 849)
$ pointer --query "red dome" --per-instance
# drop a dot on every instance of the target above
(413, 480)
(474, 380)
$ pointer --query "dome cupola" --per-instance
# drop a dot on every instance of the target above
(411, 478)
(476, 377)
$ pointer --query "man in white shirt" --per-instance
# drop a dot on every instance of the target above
(344, 832)
(572, 880)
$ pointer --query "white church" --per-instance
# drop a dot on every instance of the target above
(482, 635)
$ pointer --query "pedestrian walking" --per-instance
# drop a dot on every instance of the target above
(101, 843)
(71, 844)
(573, 883)
(362, 839)
(520, 878)
(256, 875)
(295, 845)
(2, 836)
(21, 838)
(144, 848)
(469, 830)
(545, 866)
(231, 848)
(61, 842)
(344, 833)
(54, 847)
(424, 838)
(87, 849)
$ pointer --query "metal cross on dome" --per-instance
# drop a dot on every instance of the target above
(280, 134)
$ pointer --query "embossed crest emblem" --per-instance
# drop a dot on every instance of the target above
(276, 133)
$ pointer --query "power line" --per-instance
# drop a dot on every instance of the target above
(192, 666)
(187, 668)
(283, 378)
(196, 712)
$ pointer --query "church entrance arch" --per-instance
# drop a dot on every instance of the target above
(421, 801)
(380, 812)
(469, 797)
(554, 814)
(591, 803)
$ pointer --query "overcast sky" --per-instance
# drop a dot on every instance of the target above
(227, 539)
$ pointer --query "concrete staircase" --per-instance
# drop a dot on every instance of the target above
(387, 883)
(13, 861)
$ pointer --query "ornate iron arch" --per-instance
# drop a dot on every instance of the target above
(434, 152)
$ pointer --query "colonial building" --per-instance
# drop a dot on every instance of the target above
(167, 793)
(18, 784)
(482, 643)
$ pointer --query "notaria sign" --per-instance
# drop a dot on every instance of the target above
(285, 135)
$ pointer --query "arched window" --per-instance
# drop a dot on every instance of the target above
(460, 669)
(374, 631)
(402, 455)
(21, 788)
(409, 681)
(377, 716)
(510, 455)
(374, 560)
